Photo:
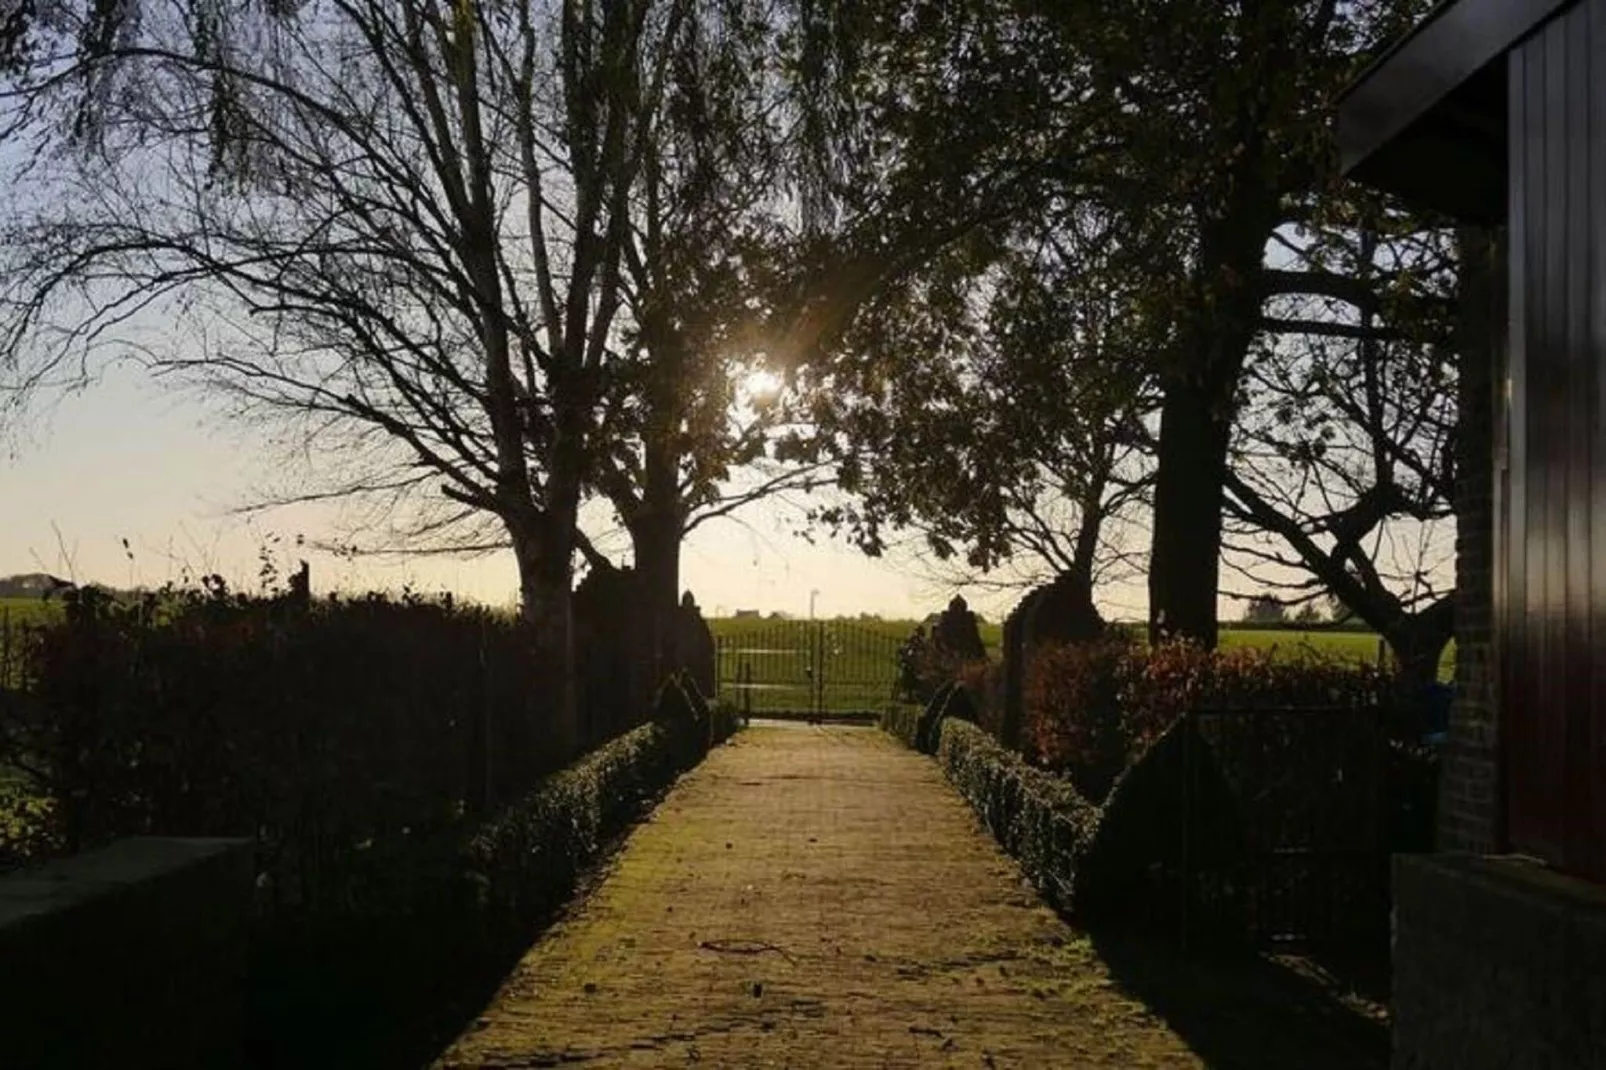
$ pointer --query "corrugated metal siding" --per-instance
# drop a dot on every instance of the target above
(1554, 594)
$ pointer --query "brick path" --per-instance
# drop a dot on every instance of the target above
(814, 897)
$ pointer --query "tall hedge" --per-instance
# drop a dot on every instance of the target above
(335, 732)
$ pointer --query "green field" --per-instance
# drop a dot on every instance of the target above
(848, 664)
(29, 610)
(794, 665)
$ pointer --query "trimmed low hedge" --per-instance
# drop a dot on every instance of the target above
(1037, 818)
(1107, 863)
(528, 858)
(1167, 851)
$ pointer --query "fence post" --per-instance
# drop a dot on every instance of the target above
(819, 669)
(1189, 724)
(487, 763)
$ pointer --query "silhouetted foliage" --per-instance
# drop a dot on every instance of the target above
(1093, 708)
(328, 732)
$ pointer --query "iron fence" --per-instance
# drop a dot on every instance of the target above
(1307, 790)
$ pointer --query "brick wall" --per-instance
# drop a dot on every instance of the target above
(1469, 802)
(1496, 965)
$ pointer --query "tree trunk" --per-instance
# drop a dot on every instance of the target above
(1185, 558)
(546, 572)
(1196, 415)
(655, 539)
(658, 524)
(1417, 641)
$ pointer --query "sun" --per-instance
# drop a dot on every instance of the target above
(762, 385)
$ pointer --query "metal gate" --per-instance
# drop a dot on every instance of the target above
(807, 668)
(1308, 787)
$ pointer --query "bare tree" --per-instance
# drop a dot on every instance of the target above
(1343, 456)
(401, 220)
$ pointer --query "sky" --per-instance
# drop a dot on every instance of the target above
(132, 459)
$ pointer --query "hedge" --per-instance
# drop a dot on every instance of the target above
(1109, 863)
(527, 859)
(330, 730)
(390, 986)
(1037, 818)
(901, 721)
(1166, 849)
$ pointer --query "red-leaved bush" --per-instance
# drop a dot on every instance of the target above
(1092, 708)
(985, 682)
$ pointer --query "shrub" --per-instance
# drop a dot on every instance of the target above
(984, 681)
(1036, 817)
(526, 860)
(925, 666)
(1076, 722)
(921, 668)
(725, 720)
(1178, 676)
(1092, 708)
(27, 825)
(1164, 836)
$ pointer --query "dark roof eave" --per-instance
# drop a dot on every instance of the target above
(1455, 41)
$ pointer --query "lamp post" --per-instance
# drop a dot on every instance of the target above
(812, 596)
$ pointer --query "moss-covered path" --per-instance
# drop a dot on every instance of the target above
(814, 897)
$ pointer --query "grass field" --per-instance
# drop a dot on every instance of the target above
(848, 664)
(795, 665)
(29, 610)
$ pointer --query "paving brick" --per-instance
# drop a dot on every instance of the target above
(815, 897)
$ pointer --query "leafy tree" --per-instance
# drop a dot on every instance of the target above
(1203, 127)
(691, 423)
(1225, 141)
(998, 405)
(1265, 609)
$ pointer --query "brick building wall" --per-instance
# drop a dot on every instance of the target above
(1469, 799)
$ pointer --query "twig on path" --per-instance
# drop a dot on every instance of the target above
(745, 947)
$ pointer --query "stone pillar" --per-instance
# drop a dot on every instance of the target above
(957, 635)
(694, 646)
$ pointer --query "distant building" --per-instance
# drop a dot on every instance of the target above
(747, 614)
(31, 585)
